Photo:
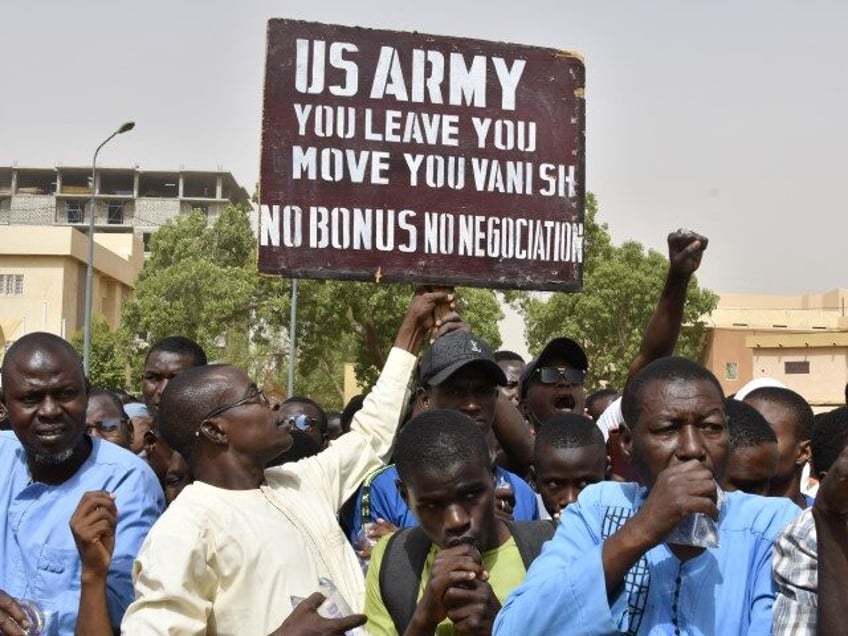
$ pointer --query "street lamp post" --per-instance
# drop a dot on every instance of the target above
(89, 274)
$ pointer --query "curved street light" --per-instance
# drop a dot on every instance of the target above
(89, 273)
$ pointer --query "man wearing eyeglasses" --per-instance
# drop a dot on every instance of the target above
(105, 418)
(241, 545)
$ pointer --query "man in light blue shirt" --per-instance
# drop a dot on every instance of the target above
(49, 463)
(613, 566)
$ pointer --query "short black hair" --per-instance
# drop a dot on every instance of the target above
(322, 415)
(123, 395)
(353, 405)
(439, 438)
(600, 394)
(112, 397)
(569, 430)
(186, 400)
(829, 438)
(179, 345)
(801, 411)
(670, 368)
(746, 427)
(505, 355)
(38, 340)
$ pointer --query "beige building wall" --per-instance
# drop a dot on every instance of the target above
(800, 340)
(728, 358)
(52, 262)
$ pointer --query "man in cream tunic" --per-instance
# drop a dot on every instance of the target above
(238, 545)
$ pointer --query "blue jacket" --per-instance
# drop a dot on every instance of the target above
(725, 590)
(386, 503)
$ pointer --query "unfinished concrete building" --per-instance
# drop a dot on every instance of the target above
(125, 199)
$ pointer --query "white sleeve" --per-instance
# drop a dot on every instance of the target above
(611, 418)
(174, 585)
(338, 470)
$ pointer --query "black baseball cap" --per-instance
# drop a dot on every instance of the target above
(449, 353)
(563, 348)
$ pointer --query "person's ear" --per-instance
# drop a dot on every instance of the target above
(608, 471)
(625, 440)
(149, 441)
(130, 430)
(213, 431)
(804, 453)
(401, 488)
(423, 397)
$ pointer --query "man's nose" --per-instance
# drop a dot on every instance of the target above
(49, 408)
(160, 387)
(456, 519)
(470, 403)
(567, 496)
(690, 443)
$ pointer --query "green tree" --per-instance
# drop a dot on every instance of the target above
(621, 286)
(361, 319)
(200, 281)
(108, 362)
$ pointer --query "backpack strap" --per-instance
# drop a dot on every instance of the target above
(365, 505)
(405, 554)
(529, 537)
(400, 574)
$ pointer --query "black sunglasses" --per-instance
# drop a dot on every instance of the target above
(552, 375)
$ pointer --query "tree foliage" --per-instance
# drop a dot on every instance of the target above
(621, 286)
(108, 362)
(361, 319)
(201, 282)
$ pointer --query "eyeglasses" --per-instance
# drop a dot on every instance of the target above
(109, 425)
(301, 422)
(252, 395)
(552, 375)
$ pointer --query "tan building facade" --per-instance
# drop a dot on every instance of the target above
(43, 274)
(800, 340)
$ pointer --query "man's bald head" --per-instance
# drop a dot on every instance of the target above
(189, 396)
(34, 343)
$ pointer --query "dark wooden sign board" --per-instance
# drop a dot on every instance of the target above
(391, 156)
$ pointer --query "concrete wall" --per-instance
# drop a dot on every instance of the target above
(32, 209)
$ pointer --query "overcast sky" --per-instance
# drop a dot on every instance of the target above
(725, 116)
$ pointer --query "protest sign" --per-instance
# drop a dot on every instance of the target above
(391, 156)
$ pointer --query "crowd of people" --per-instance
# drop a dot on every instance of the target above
(468, 492)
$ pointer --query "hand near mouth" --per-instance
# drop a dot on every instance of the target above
(458, 568)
